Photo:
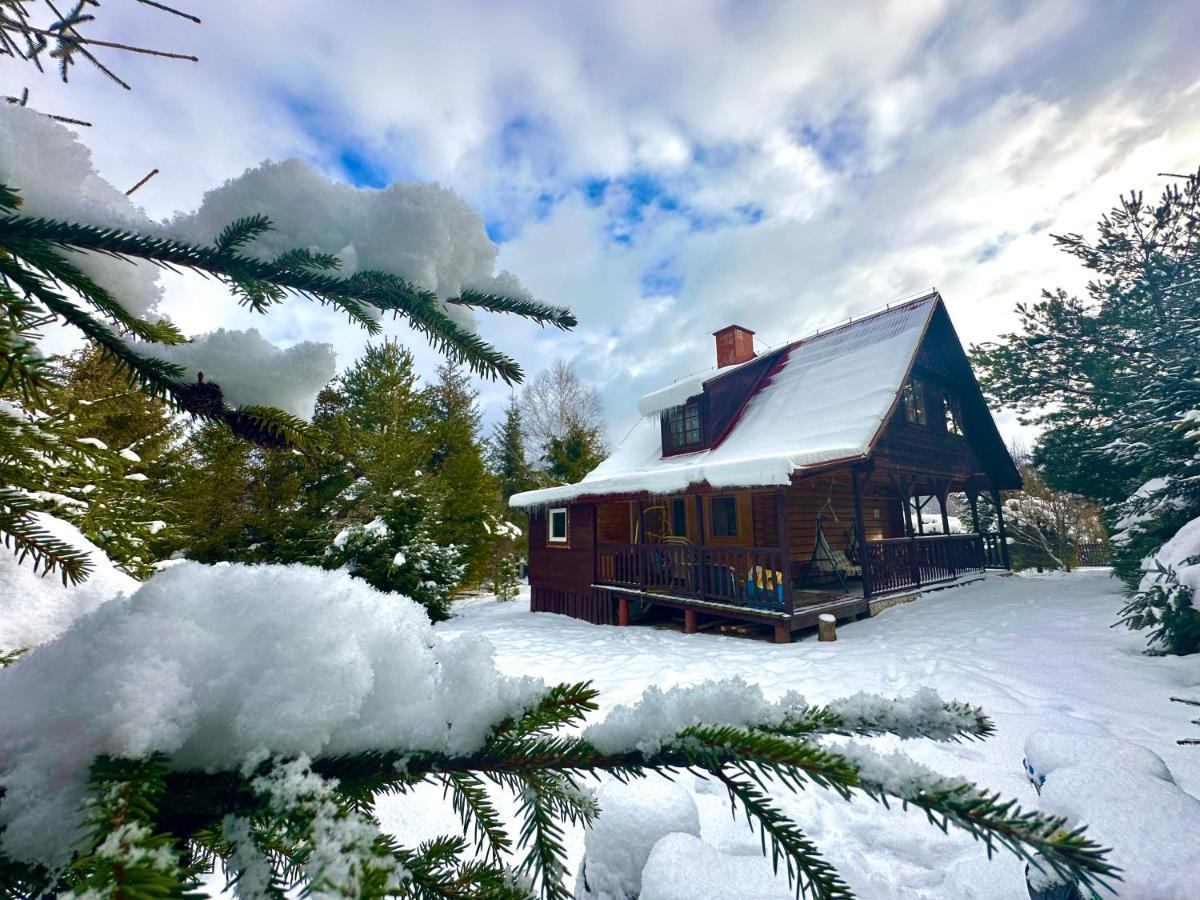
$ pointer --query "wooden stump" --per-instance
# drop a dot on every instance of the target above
(827, 627)
(691, 621)
(622, 610)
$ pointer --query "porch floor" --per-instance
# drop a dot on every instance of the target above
(810, 603)
(843, 605)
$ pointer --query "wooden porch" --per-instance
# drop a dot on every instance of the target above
(774, 582)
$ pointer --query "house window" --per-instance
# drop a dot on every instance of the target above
(679, 517)
(556, 528)
(953, 412)
(723, 511)
(914, 403)
(682, 427)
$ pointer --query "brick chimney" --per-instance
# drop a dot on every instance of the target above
(735, 344)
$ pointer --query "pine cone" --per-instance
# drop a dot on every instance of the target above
(204, 398)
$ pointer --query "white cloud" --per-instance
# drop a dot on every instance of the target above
(809, 163)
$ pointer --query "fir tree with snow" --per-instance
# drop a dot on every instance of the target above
(1114, 379)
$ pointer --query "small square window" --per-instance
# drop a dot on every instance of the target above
(723, 511)
(556, 528)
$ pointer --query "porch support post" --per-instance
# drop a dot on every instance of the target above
(702, 562)
(641, 540)
(785, 553)
(691, 621)
(1000, 527)
(622, 610)
(860, 532)
(973, 501)
(783, 634)
(943, 500)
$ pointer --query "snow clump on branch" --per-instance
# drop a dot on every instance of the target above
(212, 664)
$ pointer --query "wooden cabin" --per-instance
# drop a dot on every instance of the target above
(783, 485)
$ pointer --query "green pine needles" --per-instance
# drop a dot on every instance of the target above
(279, 824)
(41, 283)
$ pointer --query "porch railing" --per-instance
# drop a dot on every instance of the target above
(898, 563)
(756, 577)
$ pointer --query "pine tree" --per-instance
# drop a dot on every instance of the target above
(384, 524)
(574, 454)
(40, 283)
(507, 453)
(466, 491)
(1114, 378)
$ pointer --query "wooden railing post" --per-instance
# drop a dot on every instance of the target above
(1000, 527)
(702, 561)
(640, 550)
(785, 562)
(860, 532)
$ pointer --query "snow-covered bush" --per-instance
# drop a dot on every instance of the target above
(1130, 801)
(252, 713)
(1164, 602)
(682, 867)
(395, 552)
(506, 557)
(618, 843)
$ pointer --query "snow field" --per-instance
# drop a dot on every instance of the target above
(1036, 652)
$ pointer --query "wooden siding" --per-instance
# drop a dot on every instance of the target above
(614, 522)
(592, 606)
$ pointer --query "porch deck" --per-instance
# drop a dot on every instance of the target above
(763, 585)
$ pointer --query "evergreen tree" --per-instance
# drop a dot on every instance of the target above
(1115, 380)
(387, 516)
(574, 454)
(40, 283)
(115, 488)
(466, 490)
(507, 456)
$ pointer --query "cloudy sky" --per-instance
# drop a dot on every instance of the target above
(666, 168)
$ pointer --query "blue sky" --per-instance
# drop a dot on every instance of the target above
(665, 168)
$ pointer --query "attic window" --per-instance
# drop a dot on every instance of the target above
(681, 429)
(953, 412)
(914, 403)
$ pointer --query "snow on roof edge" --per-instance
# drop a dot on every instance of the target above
(637, 468)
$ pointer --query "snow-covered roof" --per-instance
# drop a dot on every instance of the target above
(832, 393)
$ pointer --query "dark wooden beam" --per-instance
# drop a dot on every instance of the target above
(1003, 537)
(785, 563)
(860, 531)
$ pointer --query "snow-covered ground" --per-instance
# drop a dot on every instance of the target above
(1036, 651)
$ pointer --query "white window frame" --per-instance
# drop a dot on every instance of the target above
(550, 538)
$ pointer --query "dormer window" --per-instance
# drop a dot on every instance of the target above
(681, 428)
